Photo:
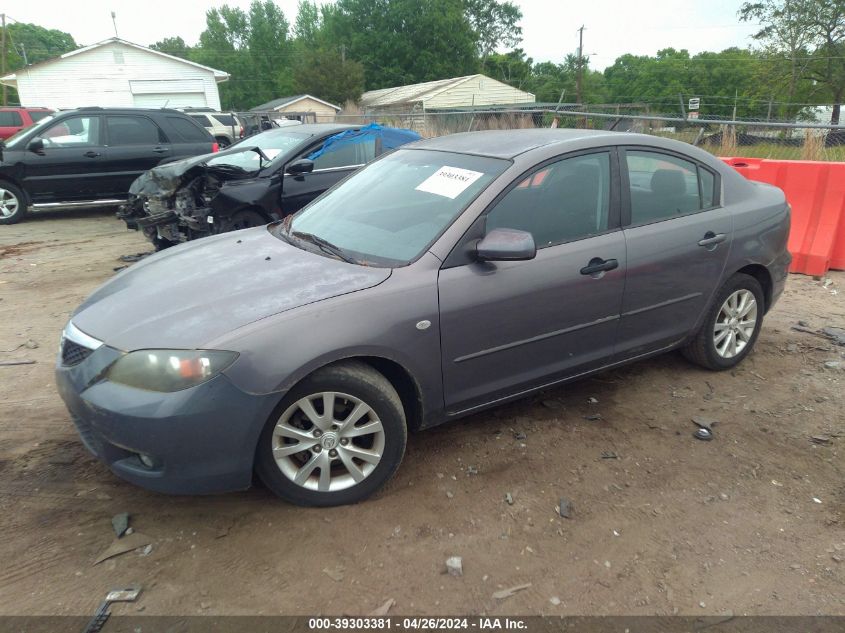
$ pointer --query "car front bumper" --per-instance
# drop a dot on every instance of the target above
(199, 440)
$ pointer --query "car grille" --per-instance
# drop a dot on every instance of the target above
(74, 353)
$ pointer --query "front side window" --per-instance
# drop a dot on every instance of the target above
(567, 200)
(390, 211)
(132, 130)
(76, 131)
(664, 186)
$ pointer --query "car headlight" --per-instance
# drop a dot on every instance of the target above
(168, 370)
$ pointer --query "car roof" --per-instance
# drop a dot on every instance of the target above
(322, 128)
(507, 143)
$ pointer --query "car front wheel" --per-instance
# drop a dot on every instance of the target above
(12, 203)
(731, 325)
(335, 439)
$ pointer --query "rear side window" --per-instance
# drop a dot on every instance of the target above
(346, 155)
(664, 186)
(132, 130)
(10, 119)
(37, 115)
(225, 119)
(189, 131)
(201, 119)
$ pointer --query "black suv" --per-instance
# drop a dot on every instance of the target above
(89, 157)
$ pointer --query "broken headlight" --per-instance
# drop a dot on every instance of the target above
(168, 370)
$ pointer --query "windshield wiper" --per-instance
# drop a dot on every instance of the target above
(324, 245)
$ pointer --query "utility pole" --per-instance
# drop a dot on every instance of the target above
(3, 55)
(579, 76)
(114, 22)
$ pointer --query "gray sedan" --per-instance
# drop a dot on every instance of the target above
(445, 278)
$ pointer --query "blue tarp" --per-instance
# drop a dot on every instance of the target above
(391, 138)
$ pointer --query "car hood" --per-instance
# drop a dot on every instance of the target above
(188, 295)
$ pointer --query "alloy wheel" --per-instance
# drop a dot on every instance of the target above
(328, 441)
(9, 203)
(735, 323)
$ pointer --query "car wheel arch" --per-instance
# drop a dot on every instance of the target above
(764, 278)
(11, 181)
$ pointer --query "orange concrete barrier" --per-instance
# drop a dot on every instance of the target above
(816, 191)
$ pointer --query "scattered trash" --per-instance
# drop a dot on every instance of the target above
(593, 417)
(833, 364)
(705, 428)
(454, 566)
(507, 593)
(12, 363)
(564, 508)
(134, 258)
(553, 404)
(120, 523)
(335, 573)
(835, 334)
(119, 268)
(592, 400)
(130, 594)
(816, 500)
(472, 470)
(122, 545)
(554, 600)
(146, 550)
(609, 455)
(775, 482)
(449, 494)
(383, 609)
(509, 498)
(519, 436)
(820, 439)
(703, 434)
(615, 533)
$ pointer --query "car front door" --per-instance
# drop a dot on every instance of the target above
(507, 327)
(331, 165)
(135, 144)
(678, 237)
(71, 165)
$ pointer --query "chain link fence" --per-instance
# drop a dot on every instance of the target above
(752, 139)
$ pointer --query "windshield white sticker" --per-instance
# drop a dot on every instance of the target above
(449, 182)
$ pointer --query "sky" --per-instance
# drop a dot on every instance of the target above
(612, 27)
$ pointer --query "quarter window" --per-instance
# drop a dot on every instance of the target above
(189, 131)
(664, 186)
(561, 202)
(132, 130)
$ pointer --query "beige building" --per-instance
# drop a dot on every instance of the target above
(472, 91)
(305, 108)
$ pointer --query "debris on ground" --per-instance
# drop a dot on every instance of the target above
(12, 363)
(123, 545)
(30, 344)
(833, 364)
(609, 455)
(553, 404)
(120, 523)
(519, 436)
(134, 258)
(472, 470)
(129, 594)
(509, 498)
(554, 600)
(820, 439)
(592, 400)
(454, 566)
(593, 417)
(507, 593)
(564, 508)
(834, 334)
(335, 573)
(705, 428)
(383, 609)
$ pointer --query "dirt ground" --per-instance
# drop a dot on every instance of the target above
(751, 522)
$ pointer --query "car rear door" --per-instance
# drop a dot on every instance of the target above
(330, 167)
(678, 236)
(72, 165)
(135, 144)
(507, 327)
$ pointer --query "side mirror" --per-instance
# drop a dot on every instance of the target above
(506, 245)
(301, 166)
(36, 145)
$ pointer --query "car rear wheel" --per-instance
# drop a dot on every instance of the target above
(222, 142)
(731, 326)
(335, 439)
(12, 203)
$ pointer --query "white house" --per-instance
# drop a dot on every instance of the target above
(467, 92)
(117, 73)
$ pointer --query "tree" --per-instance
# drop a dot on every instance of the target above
(306, 29)
(173, 46)
(326, 75)
(30, 44)
(513, 67)
(495, 25)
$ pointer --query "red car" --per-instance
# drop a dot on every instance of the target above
(14, 119)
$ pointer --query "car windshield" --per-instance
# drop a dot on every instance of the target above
(15, 138)
(272, 144)
(391, 211)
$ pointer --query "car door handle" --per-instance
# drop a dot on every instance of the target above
(711, 239)
(91, 154)
(599, 265)
(159, 150)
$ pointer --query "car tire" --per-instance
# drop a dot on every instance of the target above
(222, 142)
(731, 325)
(336, 442)
(13, 203)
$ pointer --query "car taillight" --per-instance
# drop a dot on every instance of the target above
(215, 147)
(242, 132)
